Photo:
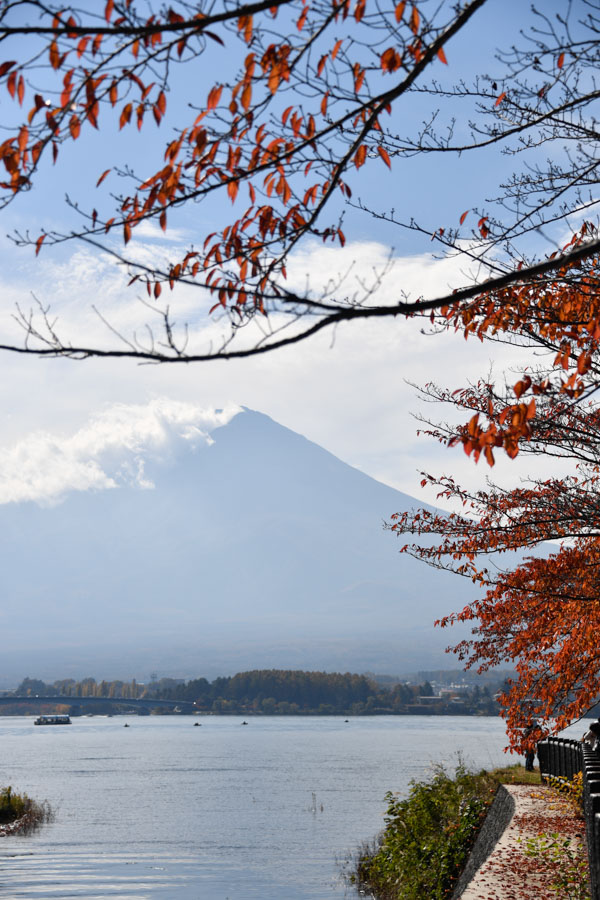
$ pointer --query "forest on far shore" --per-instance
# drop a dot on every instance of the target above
(274, 692)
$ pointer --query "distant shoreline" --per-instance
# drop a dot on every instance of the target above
(262, 715)
(249, 713)
(257, 692)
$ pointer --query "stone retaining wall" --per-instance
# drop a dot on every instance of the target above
(499, 815)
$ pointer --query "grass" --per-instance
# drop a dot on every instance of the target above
(516, 774)
(19, 813)
(429, 834)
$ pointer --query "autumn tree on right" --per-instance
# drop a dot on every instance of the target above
(539, 608)
(540, 613)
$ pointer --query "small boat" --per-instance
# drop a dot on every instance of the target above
(53, 720)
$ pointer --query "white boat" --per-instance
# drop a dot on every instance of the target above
(53, 720)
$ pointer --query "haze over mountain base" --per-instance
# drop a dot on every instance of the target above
(256, 550)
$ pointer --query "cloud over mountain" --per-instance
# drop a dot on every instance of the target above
(111, 450)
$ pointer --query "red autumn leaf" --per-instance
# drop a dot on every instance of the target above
(390, 60)
(5, 66)
(522, 386)
(321, 64)
(102, 177)
(246, 97)
(213, 97)
(245, 26)
(360, 156)
(232, 190)
(336, 48)
(74, 127)
(385, 156)
(399, 11)
(125, 116)
(82, 46)
(302, 18)
(23, 138)
(54, 55)
(415, 20)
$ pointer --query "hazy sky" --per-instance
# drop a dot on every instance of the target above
(345, 390)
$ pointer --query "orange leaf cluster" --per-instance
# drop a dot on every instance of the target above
(562, 315)
(541, 613)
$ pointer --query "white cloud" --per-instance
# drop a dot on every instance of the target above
(151, 231)
(91, 305)
(110, 450)
(344, 389)
(359, 266)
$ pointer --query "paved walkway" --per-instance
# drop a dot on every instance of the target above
(508, 874)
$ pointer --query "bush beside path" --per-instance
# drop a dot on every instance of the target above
(498, 835)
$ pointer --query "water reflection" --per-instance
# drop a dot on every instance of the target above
(166, 810)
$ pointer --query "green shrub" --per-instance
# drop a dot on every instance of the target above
(566, 860)
(21, 812)
(428, 836)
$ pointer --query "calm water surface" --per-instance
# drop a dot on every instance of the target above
(163, 809)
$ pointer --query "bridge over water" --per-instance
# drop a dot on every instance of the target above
(137, 704)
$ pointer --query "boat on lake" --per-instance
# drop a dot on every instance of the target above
(53, 720)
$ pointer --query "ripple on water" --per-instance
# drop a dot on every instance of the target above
(261, 813)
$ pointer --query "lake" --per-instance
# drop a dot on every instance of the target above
(225, 811)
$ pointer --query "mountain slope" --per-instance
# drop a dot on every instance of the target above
(260, 550)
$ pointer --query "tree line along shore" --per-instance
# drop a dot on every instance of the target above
(274, 692)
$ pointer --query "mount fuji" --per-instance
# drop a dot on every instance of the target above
(259, 549)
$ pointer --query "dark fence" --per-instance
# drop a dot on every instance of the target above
(560, 758)
(563, 759)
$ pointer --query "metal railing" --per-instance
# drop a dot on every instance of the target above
(561, 758)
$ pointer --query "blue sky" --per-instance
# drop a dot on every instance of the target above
(346, 390)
